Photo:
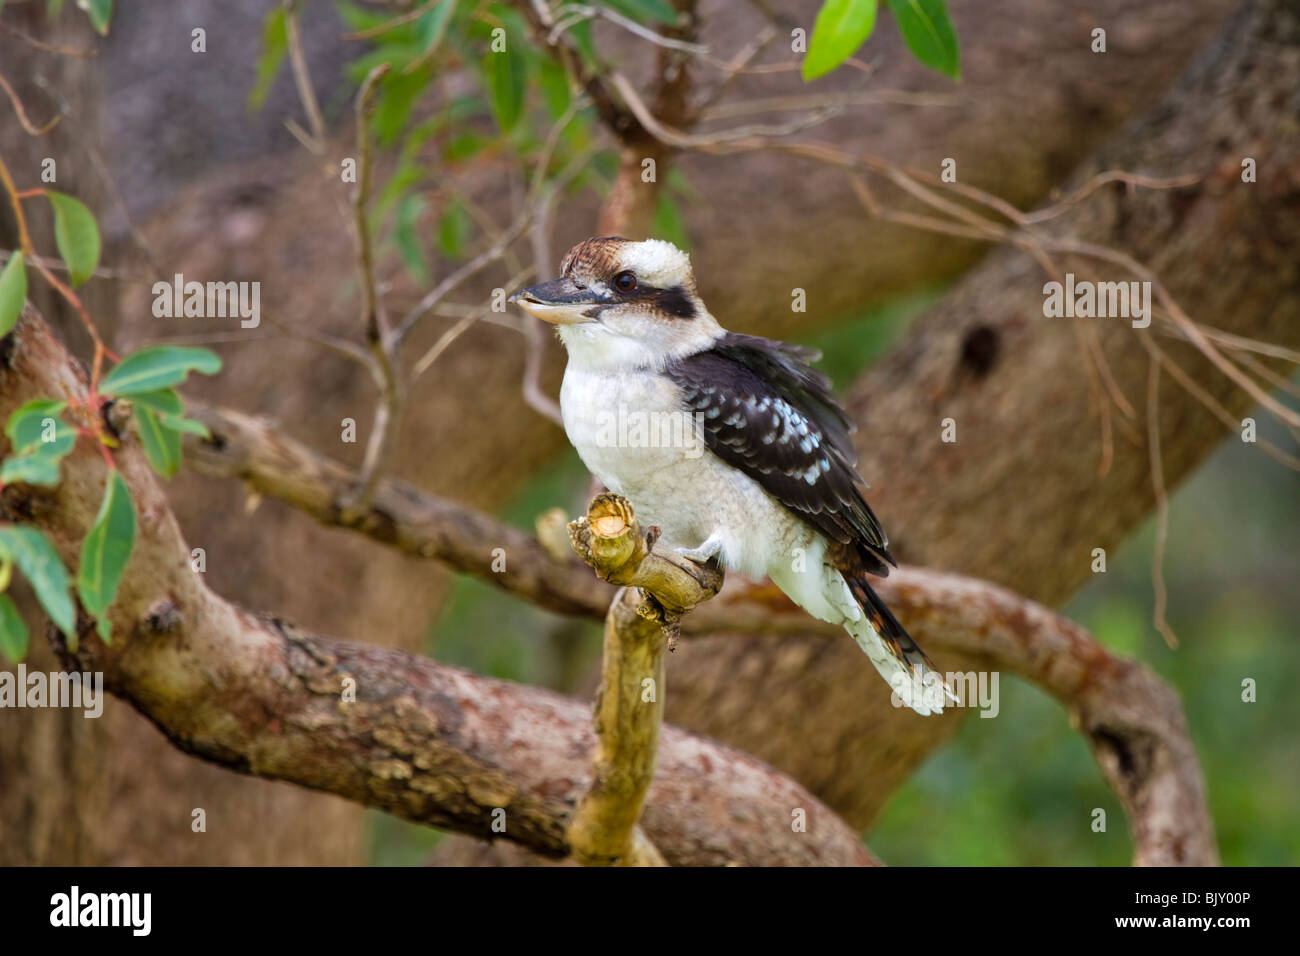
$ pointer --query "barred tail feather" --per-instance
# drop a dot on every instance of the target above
(898, 658)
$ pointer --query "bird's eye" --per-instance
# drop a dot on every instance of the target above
(625, 282)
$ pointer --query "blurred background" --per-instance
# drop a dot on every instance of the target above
(1007, 791)
(190, 164)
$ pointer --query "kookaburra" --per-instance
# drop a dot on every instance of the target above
(762, 477)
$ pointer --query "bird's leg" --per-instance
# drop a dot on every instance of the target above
(708, 550)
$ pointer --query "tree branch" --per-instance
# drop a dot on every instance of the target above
(658, 588)
(1163, 792)
(1133, 721)
(420, 740)
(277, 466)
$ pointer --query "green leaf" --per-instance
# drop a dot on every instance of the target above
(585, 43)
(658, 10)
(29, 425)
(506, 75)
(189, 426)
(928, 33)
(99, 12)
(30, 469)
(409, 243)
(13, 630)
(160, 366)
(668, 222)
(13, 292)
(554, 84)
(395, 98)
(464, 146)
(76, 235)
(275, 45)
(105, 551)
(164, 400)
(841, 27)
(159, 422)
(40, 441)
(41, 565)
(162, 445)
(432, 27)
(454, 230)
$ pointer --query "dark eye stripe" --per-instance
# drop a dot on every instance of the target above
(676, 302)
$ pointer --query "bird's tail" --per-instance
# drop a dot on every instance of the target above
(901, 662)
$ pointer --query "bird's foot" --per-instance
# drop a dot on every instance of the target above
(705, 553)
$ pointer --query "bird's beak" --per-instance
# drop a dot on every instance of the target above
(560, 301)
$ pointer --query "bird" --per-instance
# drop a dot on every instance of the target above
(732, 444)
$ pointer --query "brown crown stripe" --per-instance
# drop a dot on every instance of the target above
(598, 256)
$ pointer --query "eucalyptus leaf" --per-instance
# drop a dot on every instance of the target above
(32, 552)
(13, 292)
(76, 234)
(105, 551)
(841, 27)
(158, 367)
(161, 444)
(13, 630)
(928, 33)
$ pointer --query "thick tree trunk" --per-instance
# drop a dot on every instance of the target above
(1017, 498)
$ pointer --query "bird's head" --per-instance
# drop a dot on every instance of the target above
(619, 302)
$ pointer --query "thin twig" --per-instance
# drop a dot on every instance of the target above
(23, 121)
(576, 13)
(447, 338)
(49, 47)
(1162, 505)
(393, 24)
(302, 76)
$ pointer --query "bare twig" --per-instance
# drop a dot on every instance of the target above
(462, 325)
(575, 13)
(379, 444)
(302, 77)
(23, 121)
(85, 53)
(401, 20)
(371, 317)
(1158, 617)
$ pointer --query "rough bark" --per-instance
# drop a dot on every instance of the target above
(426, 742)
(437, 745)
(1033, 101)
(1017, 499)
(1131, 719)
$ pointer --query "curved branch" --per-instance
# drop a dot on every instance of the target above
(255, 451)
(1159, 782)
(1133, 721)
(425, 742)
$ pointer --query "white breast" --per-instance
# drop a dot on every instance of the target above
(630, 430)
